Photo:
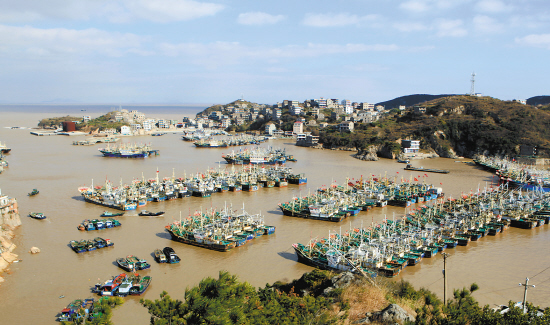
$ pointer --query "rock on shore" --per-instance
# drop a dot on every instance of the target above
(9, 220)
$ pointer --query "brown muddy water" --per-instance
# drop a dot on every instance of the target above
(32, 287)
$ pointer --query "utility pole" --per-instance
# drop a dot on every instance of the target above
(472, 88)
(526, 285)
(445, 255)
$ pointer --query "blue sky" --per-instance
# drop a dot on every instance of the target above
(183, 51)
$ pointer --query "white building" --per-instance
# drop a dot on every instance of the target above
(346, 126)
(322, 103)
(366, 106)
(270, 128)
(226, 122)
(146, 125)
(125, 130)
(163, 124)
(295, 110)
(348, 108)
(135, 127)
(410, 146)
(276, 114)
(298, 127)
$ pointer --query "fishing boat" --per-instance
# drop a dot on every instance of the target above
(109, 287)
(151, 214)
(422, 169)
(228, 142)
(77, 246)
(4, 148)
(123, 289)
(37, 215)
(404, 161)
(100, 242)
(256, 156)
(140, 284)
(171, 255)
(133, 284)
(124, 264)
(71, 312)
(160, 257)
(90, 245)
(34, 192)
(111, 214)
(128, 151)
(139, 193)
(139, 264)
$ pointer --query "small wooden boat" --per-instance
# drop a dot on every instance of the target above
(142, 285)
(110, 286)
(159, 256)
(422, 169)
(70, 313)
(76, 246)
(108, 242)
(100, 242)
(124, 288)
(111, 214)
(90, 245)
(151, 214)
(139, 264)
(124, 264)
(171, 255)
(34, 192)
(37, 215)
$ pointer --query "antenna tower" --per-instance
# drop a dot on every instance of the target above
(472, 89)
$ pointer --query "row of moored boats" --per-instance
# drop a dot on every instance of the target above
(388, 247)
(140, 192)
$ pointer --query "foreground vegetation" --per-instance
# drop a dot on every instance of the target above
(307, 301)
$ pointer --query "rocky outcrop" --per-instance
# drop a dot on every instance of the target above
(374, 152)
(369, 154)
(393, 314)
(34, 250)
(341, 281)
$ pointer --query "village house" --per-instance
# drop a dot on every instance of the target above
(346, 126)
(298, 127)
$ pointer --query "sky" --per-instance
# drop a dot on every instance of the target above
(193, 52)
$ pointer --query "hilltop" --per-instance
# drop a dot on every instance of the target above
(539, 100)
(455, 125)
(225, 108)
(410, 100)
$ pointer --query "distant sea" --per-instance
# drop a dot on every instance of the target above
(95, 110)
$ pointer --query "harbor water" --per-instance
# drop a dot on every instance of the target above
(33, 287)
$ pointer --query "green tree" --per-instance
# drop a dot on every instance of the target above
(227, 301)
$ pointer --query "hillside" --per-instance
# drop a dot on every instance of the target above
(539, 100)
(222, 108)
(456, 125)
(410, 100)
(103, 122)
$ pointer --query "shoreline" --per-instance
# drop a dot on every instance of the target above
(9, 221)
